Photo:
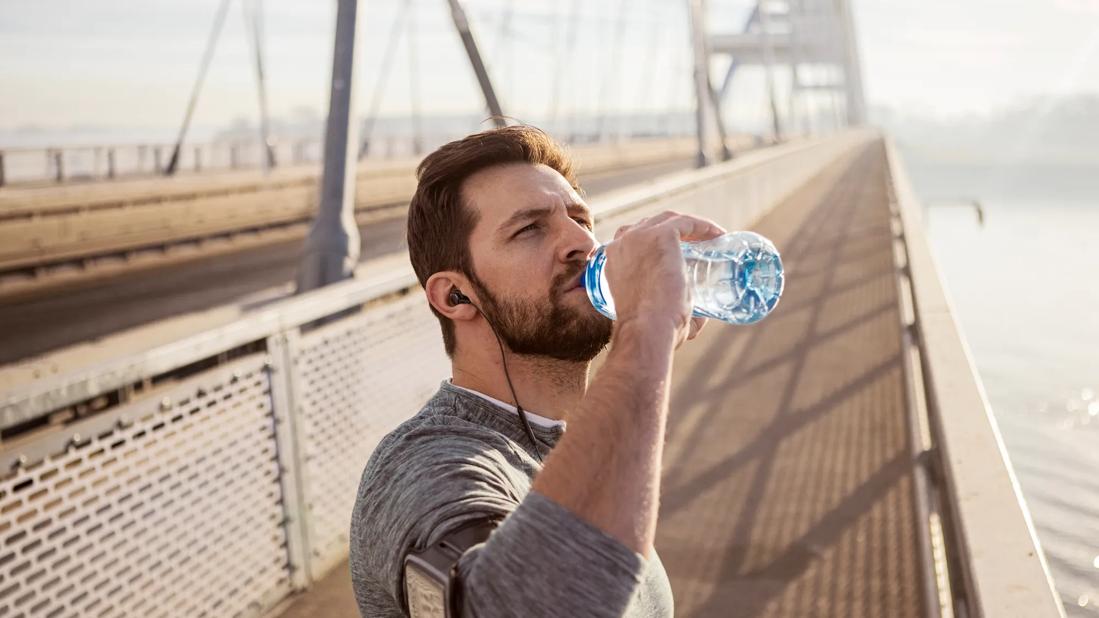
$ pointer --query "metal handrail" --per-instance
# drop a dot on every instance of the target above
(997, 567)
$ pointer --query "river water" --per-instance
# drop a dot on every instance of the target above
(1025, 289)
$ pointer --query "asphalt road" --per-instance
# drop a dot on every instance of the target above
(35, 324)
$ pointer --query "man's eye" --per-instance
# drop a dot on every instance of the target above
(530, 226)
(583, 222)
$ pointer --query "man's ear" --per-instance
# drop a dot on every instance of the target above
(438, 288)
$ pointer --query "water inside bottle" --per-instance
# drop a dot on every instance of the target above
(739, 284)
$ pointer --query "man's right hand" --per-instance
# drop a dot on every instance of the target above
(647, 275)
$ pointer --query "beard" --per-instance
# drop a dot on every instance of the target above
(552, 329)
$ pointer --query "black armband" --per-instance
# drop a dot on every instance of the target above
(431, 584)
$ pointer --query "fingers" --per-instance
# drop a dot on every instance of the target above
(646, 222)
(693, 228)
(688, 227)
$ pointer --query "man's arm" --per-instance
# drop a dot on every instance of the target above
(606, 468)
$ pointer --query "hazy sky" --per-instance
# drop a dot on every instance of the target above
(131, 63)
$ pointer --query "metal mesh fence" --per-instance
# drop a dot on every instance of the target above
(174, 510)
(358, 379)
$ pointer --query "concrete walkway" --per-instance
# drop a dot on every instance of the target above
(787, 486)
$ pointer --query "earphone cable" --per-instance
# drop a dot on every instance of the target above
(507, 375)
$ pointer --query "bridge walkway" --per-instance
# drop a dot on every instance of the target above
(788, 484)
(788, 480)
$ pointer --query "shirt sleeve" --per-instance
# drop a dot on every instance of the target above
(545, 561)
(542, 560)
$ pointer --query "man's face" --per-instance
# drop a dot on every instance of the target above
(529, 250)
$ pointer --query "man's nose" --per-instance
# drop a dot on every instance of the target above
(578, 243)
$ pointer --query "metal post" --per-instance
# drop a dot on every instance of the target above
(156, 159)
(715, 101)
(257, 43)
(462, 24)
(852, 68)
(332, 248)
(769, 62)
(282, 349)
(719, 121)
(59, 165)
(701, 69)
(793, 16)
(704, 86)
(110, 163)
(2, 178)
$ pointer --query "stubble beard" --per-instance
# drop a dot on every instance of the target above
(550, 328)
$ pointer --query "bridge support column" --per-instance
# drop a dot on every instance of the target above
(332, 248)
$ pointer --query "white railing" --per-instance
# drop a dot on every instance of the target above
(216, 475)
(992, 565)
(82, 163)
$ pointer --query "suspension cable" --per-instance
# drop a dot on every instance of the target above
(649, 67)
(564, 60)
(503, 47)
(610, 82)
(211, 43)
(414, 82)
(383, 77)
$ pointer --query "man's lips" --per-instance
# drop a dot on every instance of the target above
(578, 283)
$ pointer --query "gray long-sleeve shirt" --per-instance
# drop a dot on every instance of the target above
(464, 458)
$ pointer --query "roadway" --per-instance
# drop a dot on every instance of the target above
(38, 322)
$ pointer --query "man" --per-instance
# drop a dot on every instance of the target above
(499, 236)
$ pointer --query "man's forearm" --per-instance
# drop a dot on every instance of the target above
(606, 468)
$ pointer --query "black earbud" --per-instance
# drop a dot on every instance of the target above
(457, 298)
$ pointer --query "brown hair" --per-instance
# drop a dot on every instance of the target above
(439, 219)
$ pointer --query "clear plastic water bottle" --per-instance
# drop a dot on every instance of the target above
(736, 278)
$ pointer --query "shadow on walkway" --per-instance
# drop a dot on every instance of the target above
(787, 477)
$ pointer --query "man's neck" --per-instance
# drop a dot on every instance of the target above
(550, 387)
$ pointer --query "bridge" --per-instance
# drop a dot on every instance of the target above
(838, 458)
